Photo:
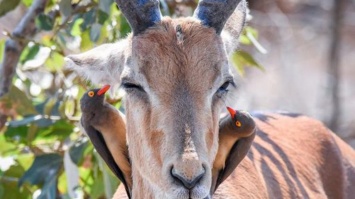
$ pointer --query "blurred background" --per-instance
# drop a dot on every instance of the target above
(310, 63)
(295, 56)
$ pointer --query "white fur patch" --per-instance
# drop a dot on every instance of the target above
(101, 65)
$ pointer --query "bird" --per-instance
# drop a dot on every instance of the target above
(106, 128)
(236, 133)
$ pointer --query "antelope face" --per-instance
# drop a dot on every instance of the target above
(176, 83)
(176, 76)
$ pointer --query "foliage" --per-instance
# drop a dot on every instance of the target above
(43, 154)
(6, 6)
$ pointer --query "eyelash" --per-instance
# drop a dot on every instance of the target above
(224, 88)
(131, 86)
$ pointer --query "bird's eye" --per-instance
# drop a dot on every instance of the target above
(91, 94)
(238, 123)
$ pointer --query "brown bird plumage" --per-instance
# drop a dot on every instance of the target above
(236, 133)
(106, 128)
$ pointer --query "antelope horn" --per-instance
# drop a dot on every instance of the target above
(215, 13)
(140, 14)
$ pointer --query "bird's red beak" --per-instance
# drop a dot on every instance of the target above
(231, 111)
(103, 90)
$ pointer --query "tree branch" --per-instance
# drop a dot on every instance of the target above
(24, 31)
(333, 68)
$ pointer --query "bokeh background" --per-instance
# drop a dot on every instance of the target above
(310, 63)
(295, 55)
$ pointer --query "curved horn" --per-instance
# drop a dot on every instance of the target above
(214, 13)
(140, 14)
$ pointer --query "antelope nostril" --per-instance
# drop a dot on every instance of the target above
(188, 183)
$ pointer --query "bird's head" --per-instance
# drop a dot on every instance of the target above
(242, 120)
(93, 100)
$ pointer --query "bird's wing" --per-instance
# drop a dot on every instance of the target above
(235, 156)
(100, 145)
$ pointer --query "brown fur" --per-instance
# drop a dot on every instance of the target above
(292, 158)
(177, 77)
(172, 120)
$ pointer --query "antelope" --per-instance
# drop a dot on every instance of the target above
(177, 79)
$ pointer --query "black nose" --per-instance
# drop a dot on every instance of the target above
(188, 183)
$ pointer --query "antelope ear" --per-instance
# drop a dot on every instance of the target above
(234, 26)
(100, 65)
(234, 144)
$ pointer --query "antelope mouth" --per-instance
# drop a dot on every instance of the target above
(199, 192)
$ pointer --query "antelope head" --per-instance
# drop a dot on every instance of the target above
(176, 75)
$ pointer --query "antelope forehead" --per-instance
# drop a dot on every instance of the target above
(175, 68)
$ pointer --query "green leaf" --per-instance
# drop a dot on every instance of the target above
(44, 22)
(44, 172)
(89, 18)
(38, 129)
(15, 171)
(97, 188)
(58, 130)
(62, 182)
(54, 62)
(16, 102)
(238, 64)
(7, 5)
(9, 183)
(25, 160)
(30, 53)
(6, 147)
(252, 31)
(2, 49)
(27, 3)
(25, 121)
(43, 108)
(44, 122)
(240, 59)
(86, 43)
(124, 26)
(31, 133)
(105, 5)
(17, 134)
(76, 30)
(49, 190)
(109, 184)
(104, 35)
(49, 105)
(65, 9)
(2, 191)
(87, 177)
(249, 60)
(95, 32)
(76, 152)
(68, 107)
(102, 17)
(243, 39)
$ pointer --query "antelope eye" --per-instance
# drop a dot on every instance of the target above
(91, 94)
(223, 90)
(224, 87)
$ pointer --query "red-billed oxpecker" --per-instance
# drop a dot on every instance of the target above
(106, 128)
(236, 133)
